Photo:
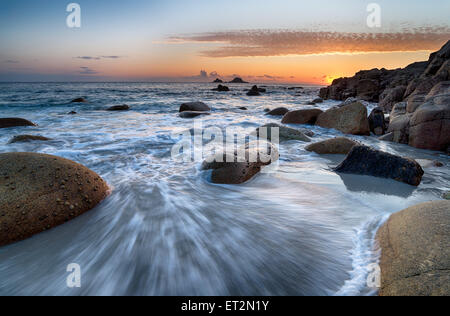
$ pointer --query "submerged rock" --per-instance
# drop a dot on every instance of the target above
(221, 88)
(415, 252)
(38, 192)
(284, 133)
(195, 107)
(308, 116)
(72, 113)
(367, 161)
(123, 107)
(27, 138)
(78, 100)
(255, 91)
(14, 122)
(335, 146)
(192, 114)
(277, 112)
(257, 155)
(350, 119)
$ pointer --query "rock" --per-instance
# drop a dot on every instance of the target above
(350, 119)
(389, 137)
(398, 109)
(192, 114)
(367, 161)
(414, 251)
(392, 96)
(27, 138)
(38, 192)
(399, 127)
(72, 113)
(414, 102)
(376, 122)
(195, 106)
(235, 172)
(308, 116)
(237, 80)
(243, 108)
(446, 195)
(78, 100)
(351, 101)
(119, 108)
(430, 123)
(221, 88)
(254, 91)
(267, 110)
(14, 122)
(368, 90)
(335, 146)
(284, 133)
(318, 100)
(278, 112)
(218, 81)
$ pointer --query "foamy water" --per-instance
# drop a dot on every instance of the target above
(166, 230)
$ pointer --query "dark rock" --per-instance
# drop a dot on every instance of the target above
(307, 116)
(78, 100)
(33, 186)
(367, 161)
(195, 107)
(243, 108)
(350, 119)
(278, 112)
(376, 122)
(391, 96)
(14, 122)
(237, 80)
(27, 138)
(318, 100)
(335, 146)
(284, 133)
(192, 114)
(414, 251)
(255, 91)
(218, 81)
(123, 107)
(72, 113)
(221, 88)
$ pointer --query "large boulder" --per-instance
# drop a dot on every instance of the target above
(308, 116)
(377, 122)
(399, 127)
(27, 138)
(368, 161)
(238, 169)
(195, 107)
(284, 133)
(350, 119)
(415, 256)
(430, 123)
(391, 96)
(278, 112)
(335, 146)
(38, 192)
(14, 122)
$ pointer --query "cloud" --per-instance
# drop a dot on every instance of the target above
(97, 57)
(252, 43)
(87, 71)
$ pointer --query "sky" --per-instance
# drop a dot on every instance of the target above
(289, 41)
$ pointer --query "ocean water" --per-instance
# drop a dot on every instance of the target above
(166, 230)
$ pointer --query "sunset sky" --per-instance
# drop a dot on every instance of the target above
(295, 41)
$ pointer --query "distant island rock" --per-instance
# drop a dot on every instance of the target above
(238, 80)
(218, 81)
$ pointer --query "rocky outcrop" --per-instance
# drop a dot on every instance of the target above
(255, 91)
(278, 112)
(218, 81)
(335, 146)
(27, 138)
(308, 116)
(38, 192)
(284, 133)
(415, 257)
(232, 171)
(349, 119)
(364, 160)
(195, 107)
(14, 122)
(389, 87)
(123, 107)
(377, 122)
